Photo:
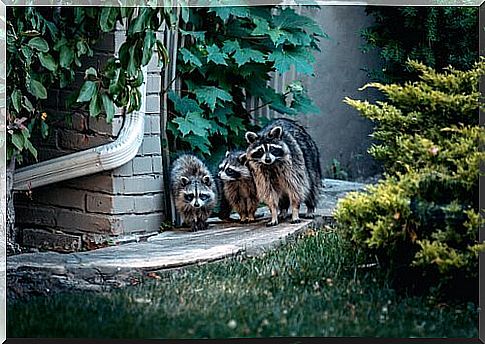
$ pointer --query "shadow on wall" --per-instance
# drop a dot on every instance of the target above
(341, 133)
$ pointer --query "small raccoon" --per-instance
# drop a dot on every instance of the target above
(285, 163)
(239, 189)
(194, 191)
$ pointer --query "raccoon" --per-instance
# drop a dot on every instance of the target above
(194, 191)
(286, 165)
(239, 189)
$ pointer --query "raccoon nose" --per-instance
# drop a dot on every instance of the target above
(197, 205)
(267, 160)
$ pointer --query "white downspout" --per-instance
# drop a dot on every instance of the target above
(89, 161)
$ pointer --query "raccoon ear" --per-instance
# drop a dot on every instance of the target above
(276, 132)
(206, 180)
(243, 158)
(184, 181)
(227, 153)
(251, 137)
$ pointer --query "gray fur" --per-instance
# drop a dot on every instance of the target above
(239, 189)
(286, 167)
(194, 191)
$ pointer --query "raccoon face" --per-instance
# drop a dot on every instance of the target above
(233, 167)
(196, 192)
(267, 149)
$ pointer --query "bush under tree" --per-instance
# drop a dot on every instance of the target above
(435, 36)
(421, 221)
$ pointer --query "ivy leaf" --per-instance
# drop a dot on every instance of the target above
(109, 107)
(38, 43)
(210, 94)
(91, 71)
(30, 147)
(201, 143)
(107, 18)
(47, 61)
(148, 44)
(284, 59)
(193, 122)
(222, 114)
(27, 105)
(262, 27)
(94, 106)
(66, 56)
(230, 46)
(198, 35)
(289, 19)
(141, 22)
(244, 55)
(16, 100)
(184, 105)
(236, 124)
(18, 140)
(224, 12)
(88, 90)
(303, 104)
(188, 57)
(215, 55)
(37, 89)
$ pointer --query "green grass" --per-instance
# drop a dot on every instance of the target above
(307, 288)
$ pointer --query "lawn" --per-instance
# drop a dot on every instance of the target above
(311, 287)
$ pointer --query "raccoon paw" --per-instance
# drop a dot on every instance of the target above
(271, 223)
(295, 221)
(244, 221)
(309, 216)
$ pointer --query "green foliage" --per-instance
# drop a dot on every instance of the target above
(436, 36)
(44, 49)
(228, 55)
(423, 217)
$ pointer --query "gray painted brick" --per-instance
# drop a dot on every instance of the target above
(120, 38)
(148, 204)
(142, 184)
(151, 145)
(124, 171)
(157, 164)
(153, 64)
(142, 223)
(148, 125)
(73, 221)
(109, 204)
(60, 196)
(155, 124)
(142, 165)
(153, 103)
(153, 83)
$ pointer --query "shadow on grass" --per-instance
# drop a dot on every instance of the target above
(311, 287)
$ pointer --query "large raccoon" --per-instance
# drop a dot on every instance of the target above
(286, 167)
(194, 191)
(239, 189)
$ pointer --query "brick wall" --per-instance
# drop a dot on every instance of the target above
(86, 212)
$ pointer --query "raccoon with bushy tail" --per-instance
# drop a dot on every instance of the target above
(285, 163)
(194, 191)
(238, 188)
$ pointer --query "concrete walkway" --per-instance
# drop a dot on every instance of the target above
(46, 272)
